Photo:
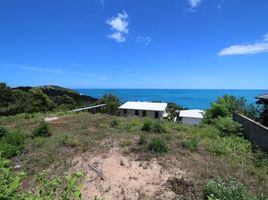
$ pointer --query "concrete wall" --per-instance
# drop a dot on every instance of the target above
(255, 132)
(191, 121)
(148, 113)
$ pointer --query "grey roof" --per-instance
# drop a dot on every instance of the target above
(263, 97)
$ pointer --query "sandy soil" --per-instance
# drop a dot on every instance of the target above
(125, 177)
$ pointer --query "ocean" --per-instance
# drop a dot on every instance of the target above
(190, 98)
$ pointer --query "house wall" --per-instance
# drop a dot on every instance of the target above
(191, 121)
(255, 132)
(149, 113)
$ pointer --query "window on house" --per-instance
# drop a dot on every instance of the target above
(144, 113)
(137, 112)
(156, 114)
(125, 111)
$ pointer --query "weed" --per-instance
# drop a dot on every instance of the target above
(229, 190)
(115, 123)
(159, 127)
(125, 142)
(42, 130)
(191, 143)
(158, 145)
(147, 125)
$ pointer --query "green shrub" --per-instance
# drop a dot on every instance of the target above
(115, 123)
(68, 140)
(147, 125)
(158, 127)
(125, 142)
(227, 126)
(231, 190)
(158, 145)
(143, 139)
(229, 145)
(9, 182)
(3, 131)
(190, 143)
(12, 144)
(42, 130)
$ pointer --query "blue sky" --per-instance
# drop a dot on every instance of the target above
(211, 44)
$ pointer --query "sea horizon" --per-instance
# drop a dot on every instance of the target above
(189, 98)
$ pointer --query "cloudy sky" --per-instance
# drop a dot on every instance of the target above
(215, 44)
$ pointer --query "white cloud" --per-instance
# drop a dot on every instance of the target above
(144, 40)
(117, 36)
(242, 49)
(119, 25)
(194, 3)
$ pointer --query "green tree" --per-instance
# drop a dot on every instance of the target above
(112, 103)
(40, 102)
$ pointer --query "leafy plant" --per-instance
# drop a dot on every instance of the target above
(147, 125)
(12, 144)
(42, 130)
(115, 123)
(3, 131)
(9, 182)
(158, 145)
(191, 143)
(230, 190)
(227, 126)
(158, 127)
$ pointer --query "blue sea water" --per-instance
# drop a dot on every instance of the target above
(190, 98)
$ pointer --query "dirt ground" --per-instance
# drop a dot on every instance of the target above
(128, 177)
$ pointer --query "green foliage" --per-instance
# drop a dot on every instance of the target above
(147, 125)
(3, 131)
(47, 188)
(143, 139)
(112, 103)
(171, 108)
(115, 123)
(12, 144)
(191, 143)
(232, 146)
(40, 101)
(158, 127)
(227, 126)
(153, 126)
(68, 140)
(42, 130)
(9, 182)
(225, 106)
(230, 190)
(261, 159)
(125, 142)
(158, 145)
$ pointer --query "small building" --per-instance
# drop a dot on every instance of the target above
(263, 99)
(144, 109)
(191, 117)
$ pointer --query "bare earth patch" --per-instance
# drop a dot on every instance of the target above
(125, 177)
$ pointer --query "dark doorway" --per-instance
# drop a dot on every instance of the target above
(144, 113)
(137, 112)
(125, 111)
(156, 114)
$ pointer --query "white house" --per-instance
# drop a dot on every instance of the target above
(144, 109)
(192, 117)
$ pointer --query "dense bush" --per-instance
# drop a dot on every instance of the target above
(3, 131)
(115, 123)
(225, 106)
(47, 188)
(112, 103)
(159, 127)
(229, 190)
(190, 143)
(157, 144)
(42, 130)
(153, 126)
(227, 126)
(12, 144)
(147, 125)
